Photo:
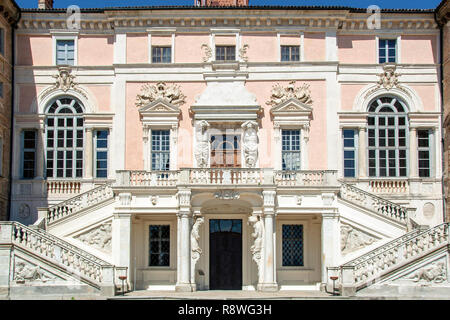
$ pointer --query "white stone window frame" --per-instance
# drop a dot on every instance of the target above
(355, 148)
(300, 34)
(65, 35)
(307, 262)
(388, 36)
(172, 247)
(160, 115)
(225, 32)
(291, 115)
(108, 153)
(161, 32)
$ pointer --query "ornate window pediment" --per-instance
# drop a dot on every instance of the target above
(159, 108)
(292, 107)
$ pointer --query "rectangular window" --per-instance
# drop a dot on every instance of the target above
(291, 149)
(2, 41)
(1, 89)
(159, 246)
(101, 153)
(28, 154)
(387, 50)
(349, 139)
(424, 154)
(292, 245)
(65, 52)
(160, 150)
(161, 54)
(225, 151)
(290, 53)
(225, 53)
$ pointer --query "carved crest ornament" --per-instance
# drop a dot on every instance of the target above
(388, 80)
(168, 92)
(64, 81)
(280, 94)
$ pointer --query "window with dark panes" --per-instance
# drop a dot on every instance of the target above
(161, 54)
(290, 149)
(292, 245)
(424, 154)
(28, 154)
(160, 150)
(64, 139)
(387, 50)
(349, 139)
(159, 246)
(290, 53)
(225, 53)
(387, 138)
(101, 153)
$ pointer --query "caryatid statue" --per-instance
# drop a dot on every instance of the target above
(250, 143)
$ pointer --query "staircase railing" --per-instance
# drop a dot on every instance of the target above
(79, 202)
(372, 266)
(367, 200)
(73, 260)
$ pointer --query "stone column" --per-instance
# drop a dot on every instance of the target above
(121, 241)
(147, 146)
(40, 153)
(88, 156)
(269, 283)
(5, 257)
(413, 162)
(362, 154)
(330, 242)
(184, 234)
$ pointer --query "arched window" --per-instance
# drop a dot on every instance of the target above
(387, 137)
(64, 139)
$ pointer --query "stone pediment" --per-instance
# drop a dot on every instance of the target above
(159, 107)
(292, 106)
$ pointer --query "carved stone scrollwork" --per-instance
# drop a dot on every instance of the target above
(65, 82)
(243, 53)
(280, 94)
(184, 197)
(388, 80)
(227, 195)
(207, 51)
(257, 247)
(196, 251)
(170, 93)
(202, 147)
(250, 143)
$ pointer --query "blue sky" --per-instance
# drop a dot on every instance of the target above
(384, 4)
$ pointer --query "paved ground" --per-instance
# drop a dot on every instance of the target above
(224, 295)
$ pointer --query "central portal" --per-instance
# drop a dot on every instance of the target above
(225, 254)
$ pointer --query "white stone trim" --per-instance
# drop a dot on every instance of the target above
(65, 36)
(120, 48)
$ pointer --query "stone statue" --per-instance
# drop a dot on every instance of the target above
(196, 251)
(202, 147)
(257, 246)
(250, 143)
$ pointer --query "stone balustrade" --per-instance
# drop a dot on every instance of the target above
(379, 205)
(391, 186)
(78, 203)
(63, 187)
(58, 252)
(226, 176)
(356, 274)
(303, 178)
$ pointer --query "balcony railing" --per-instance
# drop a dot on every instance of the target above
(226, 176)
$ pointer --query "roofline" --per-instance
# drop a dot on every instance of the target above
(139, 8)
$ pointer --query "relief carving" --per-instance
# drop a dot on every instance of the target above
(227, 195)
(388, 80)
(168, 92)
(98, 238)
(433, 273)
(280, 94)
(256, 248)
(250, 143)
(65, 82)
(353, 239)
(208, 52)
(24, 271)
(243, 53)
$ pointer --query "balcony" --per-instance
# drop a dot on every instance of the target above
(226, 177)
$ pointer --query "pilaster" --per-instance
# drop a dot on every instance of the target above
(121, 241)
(413, 152)
(40, 153)
(269, 266)
(88, 154)
(184, 234)
(330, 242)
(362, 152)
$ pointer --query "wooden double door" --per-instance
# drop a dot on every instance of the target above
(225, 254)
